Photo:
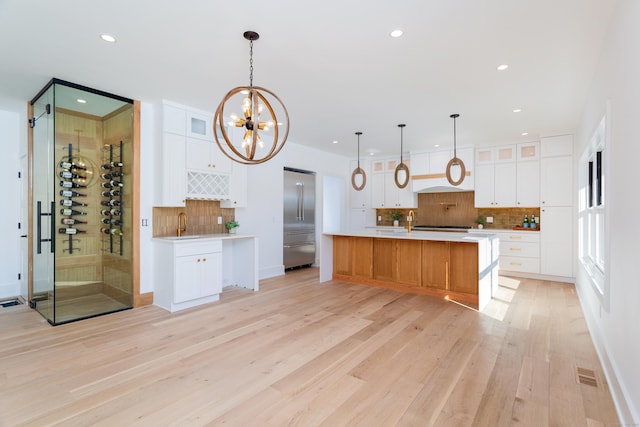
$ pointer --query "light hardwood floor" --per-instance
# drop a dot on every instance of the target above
(303, 353)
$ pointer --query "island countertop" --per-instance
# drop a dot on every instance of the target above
(402, 233)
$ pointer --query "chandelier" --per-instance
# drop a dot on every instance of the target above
(402, 169)
(358, 173)
(455, 161)
(262, 138)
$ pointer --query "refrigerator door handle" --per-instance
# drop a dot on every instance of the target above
(302, 201)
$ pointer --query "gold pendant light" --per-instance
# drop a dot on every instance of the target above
(402, 166)
(358, 171)
(455, 161)
(253, 149)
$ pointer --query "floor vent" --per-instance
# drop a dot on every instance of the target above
(587, 377)
(10, 303)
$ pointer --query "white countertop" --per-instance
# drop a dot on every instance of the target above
(203, 237)
(401, 233)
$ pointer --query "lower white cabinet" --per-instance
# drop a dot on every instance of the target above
(556, 241)
(189, 273)
(519, 251)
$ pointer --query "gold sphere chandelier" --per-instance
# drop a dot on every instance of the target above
(259, 118)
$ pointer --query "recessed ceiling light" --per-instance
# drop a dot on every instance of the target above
(524, 133)
(517, 110)
(503, 67)
(396, 33)
(372, 154)
(437, 145)
(335, 142)
(81, 101)
(108, 38)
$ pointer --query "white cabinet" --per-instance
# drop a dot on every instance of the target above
(508, 176)
(556, 181)
(556, 240)
(173, 176)
(495, 185)
(385, 192)
(174, 119)
(199, 125)
(189, 273)
(238, 187)
(528, 184)
(556, 206)
(519, 251)
(205, 156)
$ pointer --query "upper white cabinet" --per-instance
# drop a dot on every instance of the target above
(174, 119)
(199, 125)
(193, 166)
(173, 176)
(238, 187)
(556, 171)
(385, 193)
(528, 175)
(205, 156)
(507, 176)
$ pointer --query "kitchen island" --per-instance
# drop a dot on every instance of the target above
(458, 266)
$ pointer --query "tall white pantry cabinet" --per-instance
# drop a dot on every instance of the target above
(556, 206)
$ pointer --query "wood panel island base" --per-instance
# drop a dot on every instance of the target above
(461, 267)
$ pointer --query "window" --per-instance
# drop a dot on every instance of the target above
(591, 215)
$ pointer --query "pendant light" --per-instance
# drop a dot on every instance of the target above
(252, 149)
(455, 161)
(402, 166)
(358, 171)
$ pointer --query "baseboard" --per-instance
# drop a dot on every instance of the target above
(143, 299)
(628, 415)
(9, 290)
(537, 276)
(273, 271)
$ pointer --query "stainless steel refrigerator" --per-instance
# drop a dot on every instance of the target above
(299, 218)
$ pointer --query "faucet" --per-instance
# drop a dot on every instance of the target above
(182, 228)
(410, 219)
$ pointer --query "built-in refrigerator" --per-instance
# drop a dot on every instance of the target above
(299, 218)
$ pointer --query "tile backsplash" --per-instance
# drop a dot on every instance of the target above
(202, 218)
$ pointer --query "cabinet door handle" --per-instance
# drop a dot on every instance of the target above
(204, 260)
(515, 237)
(515, 249)
(515, 263)
(198, 259)
(446, 275)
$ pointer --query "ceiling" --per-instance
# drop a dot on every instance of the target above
(332, 62)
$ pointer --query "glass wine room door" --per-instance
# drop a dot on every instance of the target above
(81, 153)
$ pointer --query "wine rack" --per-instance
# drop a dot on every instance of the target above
(73, 179)
(112, 175)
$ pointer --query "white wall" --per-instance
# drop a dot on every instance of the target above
(616, 331)
(263, 214)
(10, 214)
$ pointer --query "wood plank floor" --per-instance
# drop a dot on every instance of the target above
(301, 353)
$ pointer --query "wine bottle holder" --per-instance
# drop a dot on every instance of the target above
(111, 189)
(70, 182)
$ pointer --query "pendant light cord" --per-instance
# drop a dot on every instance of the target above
(250, 63)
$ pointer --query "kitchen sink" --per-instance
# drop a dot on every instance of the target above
(182, 237)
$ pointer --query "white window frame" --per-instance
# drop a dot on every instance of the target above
(592, 218)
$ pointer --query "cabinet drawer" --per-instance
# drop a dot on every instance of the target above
(520, 249)
(191, 248)
(523, 265)
(523, 236)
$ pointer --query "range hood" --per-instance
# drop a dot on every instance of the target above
(438, 183)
